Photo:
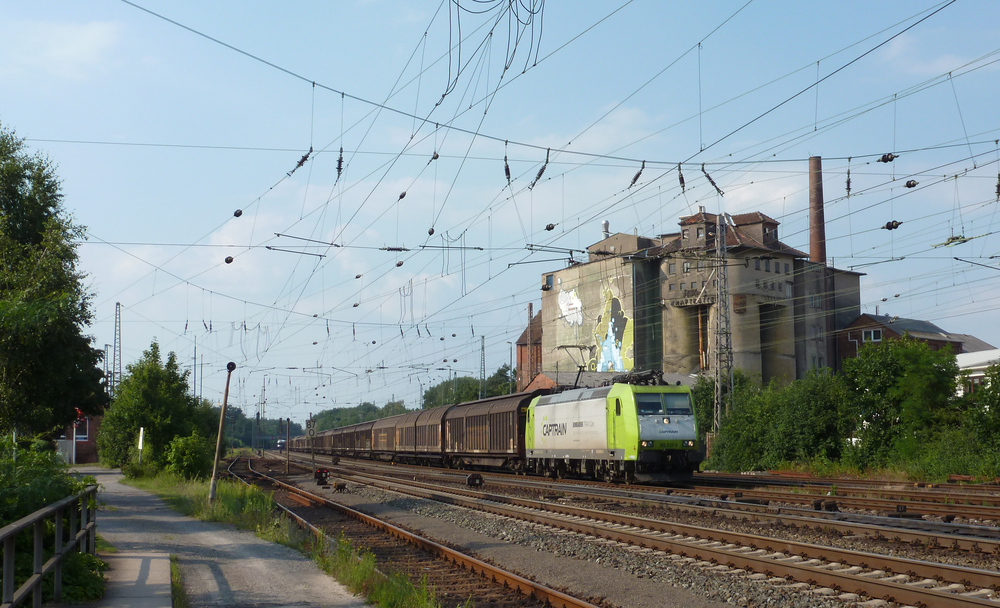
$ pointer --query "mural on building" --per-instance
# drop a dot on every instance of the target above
(571, 307)
(613, 335)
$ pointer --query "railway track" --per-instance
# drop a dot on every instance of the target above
(916, 532)
(824, 570)
(454, 577)
(981, 507)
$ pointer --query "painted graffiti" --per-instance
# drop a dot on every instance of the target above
(571, 307)
(613, 336)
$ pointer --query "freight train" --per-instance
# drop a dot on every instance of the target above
(636, 429)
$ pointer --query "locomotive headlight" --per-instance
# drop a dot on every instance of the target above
(645, 444)
(688, 444)
(666, 421)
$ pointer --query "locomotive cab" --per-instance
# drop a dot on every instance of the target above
(667, 434)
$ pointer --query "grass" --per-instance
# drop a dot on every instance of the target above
(178, 594)
(250, 508)
(104, 547)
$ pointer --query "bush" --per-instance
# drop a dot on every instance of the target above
(36, 478)
(191, 457)
(39, 477)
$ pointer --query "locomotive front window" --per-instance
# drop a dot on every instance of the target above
(648, 403)
(677, 404)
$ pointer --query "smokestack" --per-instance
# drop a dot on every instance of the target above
(817, 223)
(606, 227)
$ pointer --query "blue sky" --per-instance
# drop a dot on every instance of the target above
(160, 134)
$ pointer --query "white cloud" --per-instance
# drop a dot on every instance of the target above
(908, 55)
(68, 51)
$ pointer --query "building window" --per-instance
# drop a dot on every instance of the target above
(704, 284)
(548, 281)
(767, 265)
(814, 361)
(715, 283)
(756, 264)
(701, 232)
(777, 268)
(786, 268)
(701, 264)
(670, 287)
(83, 429)
(821, 361)
(685, 233)
(686, 266)
(671, 268)
(683, 285)
(871, 335)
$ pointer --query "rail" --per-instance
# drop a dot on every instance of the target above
(81, 511)
(554, 598)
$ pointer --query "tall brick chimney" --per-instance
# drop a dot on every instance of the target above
(817, 223)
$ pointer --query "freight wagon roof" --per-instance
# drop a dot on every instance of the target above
(361, 426)
(408, 419)
(432, 416)
(387, 423)
(491, 406)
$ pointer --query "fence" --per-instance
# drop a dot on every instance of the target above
(81, 510)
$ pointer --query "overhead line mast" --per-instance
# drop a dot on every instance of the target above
(723, 327)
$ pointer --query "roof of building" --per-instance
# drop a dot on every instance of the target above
(978, 360)
(735, 237)
(536, 331)
(916, 328)
(972, 344)
(755, 217)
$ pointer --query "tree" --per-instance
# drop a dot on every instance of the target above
(153, 395)
(48, 367)
(448, 392)
(465, 388)
(502, 382)
(903, 396)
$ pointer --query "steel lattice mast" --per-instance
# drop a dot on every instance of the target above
(116, 362)
(723, 327)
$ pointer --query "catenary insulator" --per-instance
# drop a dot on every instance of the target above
(237, 213)
(911, 183)
(229, 259)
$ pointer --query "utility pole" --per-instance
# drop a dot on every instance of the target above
(723, 328)
(116, 367)
(526, 380)
(482, 367)
(510, 368)
(218, 441)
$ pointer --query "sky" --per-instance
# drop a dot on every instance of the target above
(396, 253)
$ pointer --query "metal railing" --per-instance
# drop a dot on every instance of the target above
(80, 511)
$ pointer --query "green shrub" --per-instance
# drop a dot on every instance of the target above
(191, 457)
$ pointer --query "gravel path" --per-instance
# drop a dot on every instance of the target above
(221, 566)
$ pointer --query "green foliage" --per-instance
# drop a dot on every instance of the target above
(892, 409)
(903, 396)
(191, 457)
(772, 426)
(346, 416)
(31, 479)
(48, 368)
(153, 396)
(463, 389)
(38, 477)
